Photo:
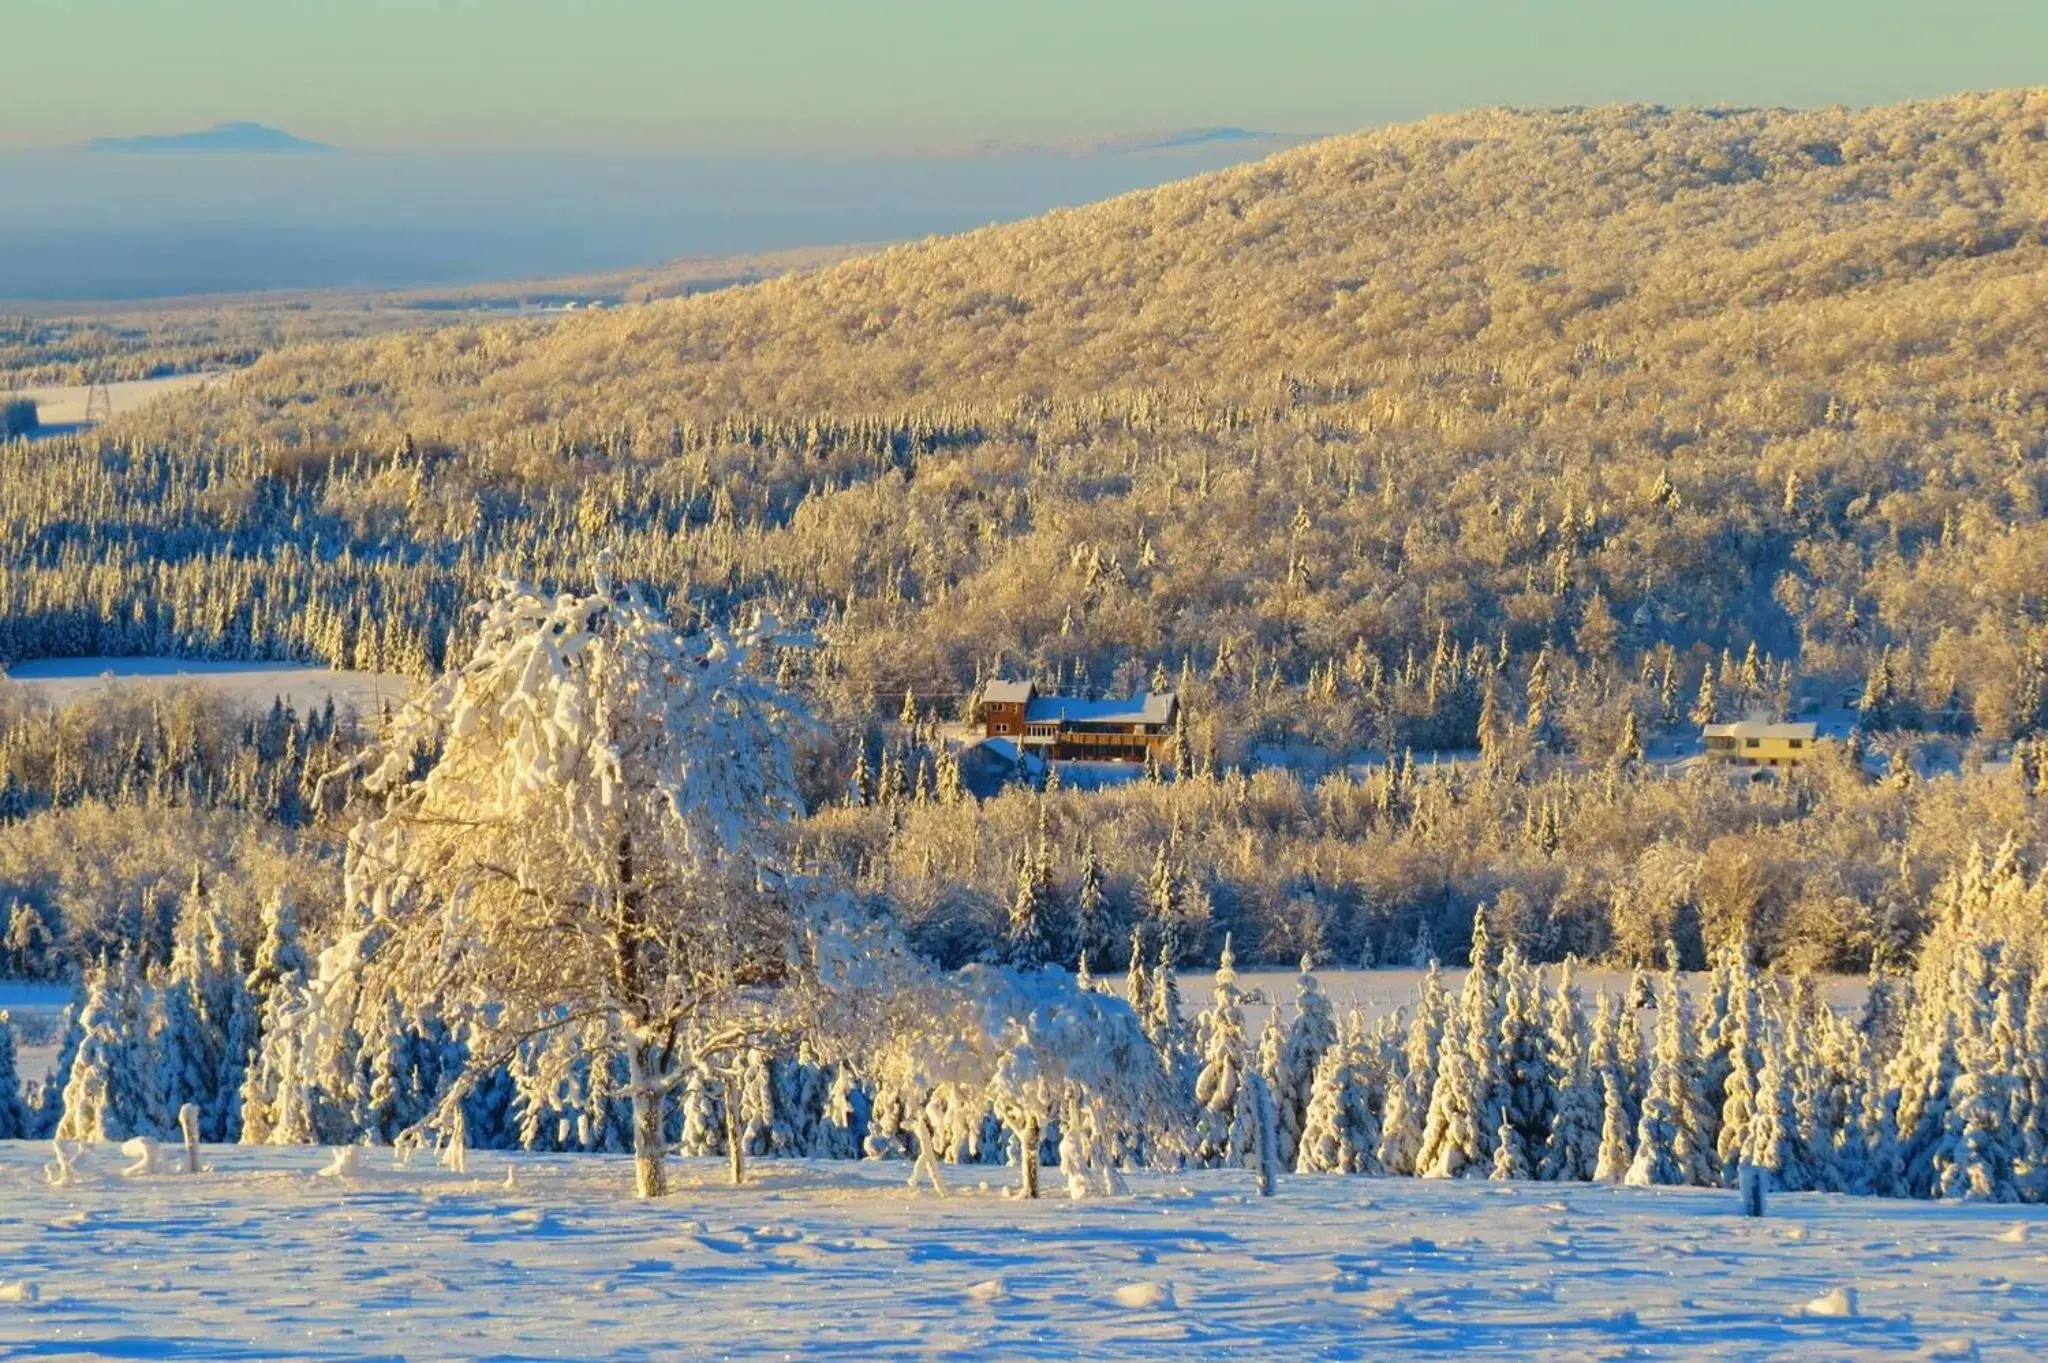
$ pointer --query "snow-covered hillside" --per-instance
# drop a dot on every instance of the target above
(265, 1257)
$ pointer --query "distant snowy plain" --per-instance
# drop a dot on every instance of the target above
(304, 686)
(266, 1258)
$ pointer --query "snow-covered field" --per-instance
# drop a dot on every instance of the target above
(35, 1013)
(1379, 992)
(303, 685)
(265, 1258)
(61, 409)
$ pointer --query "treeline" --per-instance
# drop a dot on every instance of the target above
(107, 804)
(1939, 1088)
(1825, 869)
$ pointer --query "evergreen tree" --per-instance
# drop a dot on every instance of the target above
(1572, 1150)
(1407, 1102)
(1773, 1131)
(1292, 1077)
(1707, 709)
(1740, 1051)
(29, 945)
(1451, 1144)
(1163, 1022)
(1510, 1161)
(1161, 894)
(1340, 1134)
(101, 1086)
(1219, 1088)
(1091, 916)
(15, 1117)
(1678, 1067)
(1529, 1086)
(1137, 985)
(1029, 943)
(1616, 1157)
(1628, 752)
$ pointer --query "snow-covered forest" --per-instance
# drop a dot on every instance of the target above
(1363, 450)
(564, 927)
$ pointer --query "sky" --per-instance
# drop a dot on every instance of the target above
(890, 77)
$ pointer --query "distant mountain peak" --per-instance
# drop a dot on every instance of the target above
(1169, 139)
(238, 137)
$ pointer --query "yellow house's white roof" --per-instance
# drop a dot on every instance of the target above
(1759, 728)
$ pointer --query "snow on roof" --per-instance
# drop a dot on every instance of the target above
(1144, 708)
(1758, 728)
(1007, 693)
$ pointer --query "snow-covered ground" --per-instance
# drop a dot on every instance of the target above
(303, 685)
(265, 1258)
(63, 409)
(35, 1013)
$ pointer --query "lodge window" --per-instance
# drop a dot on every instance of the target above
(1752, 742)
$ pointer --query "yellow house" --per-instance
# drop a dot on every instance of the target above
(1760, 743)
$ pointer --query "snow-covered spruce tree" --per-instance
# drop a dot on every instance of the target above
(15, 1116)
(1667, 1151)
(1451, 1145)
(101, 1089)
(1028, 941)
(1406, 1113)
(184, 1059)
(276, 987)
(843, 1121)
(226, 1012)
(1163, 1021)
(1309, 1037)
(1528, 1085)
(1773, 1127)
(1632, 1066)
(1674, 1075)
(1975, 1159)
(2031, 1095)
(1341, 1134)
(703, 1115)
(1741, 1059)
(585, 845)
(1482, 1079)
(277, 1093)
(1137, 984)
(1616, 1155)
(187, 1031)
(1091, 910)
(1509, 1160)
(1219, 1088)
(1572, 1150)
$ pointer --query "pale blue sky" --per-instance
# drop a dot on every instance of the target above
(868, 76)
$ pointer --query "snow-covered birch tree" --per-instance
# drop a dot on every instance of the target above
(582, 847)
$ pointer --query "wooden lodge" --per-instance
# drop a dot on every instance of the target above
(1066, 729)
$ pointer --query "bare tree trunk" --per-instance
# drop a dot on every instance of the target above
(734, 1145)
(650, 1169)
(1030, 1138)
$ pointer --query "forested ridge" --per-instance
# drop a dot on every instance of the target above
(1537, 434)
